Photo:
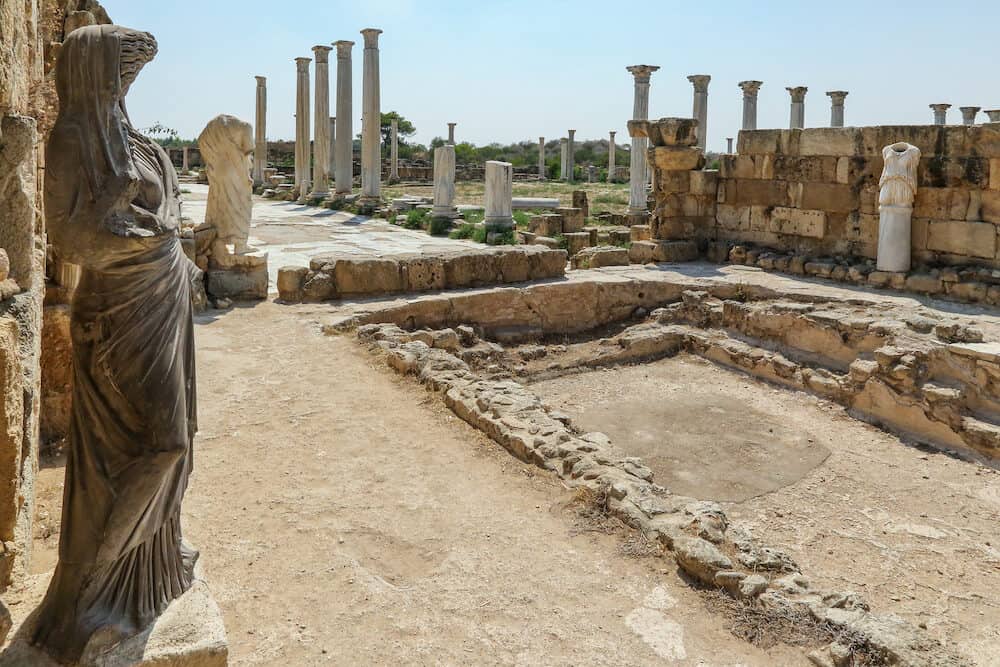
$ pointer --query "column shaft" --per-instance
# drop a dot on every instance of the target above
(700, 107)
(611, 157)
(394, 152)
(750, 90)
(260, 133)
(321, 147)
(371, 121)
(637, 162)
(541, 158)
(444, 182)
(344, 144)
(571, 156)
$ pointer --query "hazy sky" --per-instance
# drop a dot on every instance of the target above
(510, 70)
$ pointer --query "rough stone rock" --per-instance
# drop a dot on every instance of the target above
(700, 559)
(577, 241)
(669, 158)
(290, 282)
(595, 258)
(319, 286)
(4, 265)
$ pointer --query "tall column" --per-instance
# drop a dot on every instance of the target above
(562, 158)
(940, 113)
(302, 173)
(394, 153)
(185, 160)
(993, 114)
(700, 111)
(444, 182)
(451, 133)
(499, 195)
(797, 119)
(837, 107)
(611, 156)
(750, 90)
(729, 145)
(260, 133)
(321, 147)
(969, 114)
(333, 146)
(571, 156)
(541, 158)
(371, 119)
(344, 151)
(637, 164)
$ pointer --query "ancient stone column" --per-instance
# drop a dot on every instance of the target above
(302, 152)
(371, 119)
(897, 189)
(344, 143)
(499, 194)
(940, 113)
(394, 153)
(186, 160)
(637, 164)
(260, 133)
(563, 146)
(797, 120)
(969, 114)
(750, 90)
(729, 145)
(700, 110)
(333, 146)
(451, 133)
(444, 183)
(571, 156)
(994, 115)
(837, 107)
(541, 158)
(321, 148)
(611, 156)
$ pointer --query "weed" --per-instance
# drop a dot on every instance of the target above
(415, 218)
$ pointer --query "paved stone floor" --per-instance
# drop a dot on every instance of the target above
(291, 233)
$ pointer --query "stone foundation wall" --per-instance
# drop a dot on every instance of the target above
(31, 33)
(814, 192)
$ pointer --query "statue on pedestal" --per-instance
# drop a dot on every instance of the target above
(897, 189)
(112, 205)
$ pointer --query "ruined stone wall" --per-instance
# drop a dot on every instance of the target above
(814, 192)
(30, 32)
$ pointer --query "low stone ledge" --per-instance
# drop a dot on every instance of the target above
(337, 276)
(599, 256)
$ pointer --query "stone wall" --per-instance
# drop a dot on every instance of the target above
(815, 192)
(31, 33)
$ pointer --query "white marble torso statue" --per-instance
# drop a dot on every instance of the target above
(898, 185)
(226, 146)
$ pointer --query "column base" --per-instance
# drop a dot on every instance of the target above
(894, 238)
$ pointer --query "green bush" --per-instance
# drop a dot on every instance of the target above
(415, 218)
(439, 226)
(521, 219)
(463, 231)
(508, 237)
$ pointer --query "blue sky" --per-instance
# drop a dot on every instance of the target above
(509, 70)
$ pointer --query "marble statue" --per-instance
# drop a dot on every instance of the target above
(897, 189)
(226, 146)
(112, 204)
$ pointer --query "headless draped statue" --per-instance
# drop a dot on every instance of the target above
(897, 189)
(112, 206)
(226, 145)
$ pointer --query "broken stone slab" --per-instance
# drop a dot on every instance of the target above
(666, 131)
(644, 252)
(595, 258)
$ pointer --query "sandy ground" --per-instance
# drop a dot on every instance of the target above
(916, 532)
(345, 517)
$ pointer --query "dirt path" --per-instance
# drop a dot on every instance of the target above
(915, 532)
(345, 517)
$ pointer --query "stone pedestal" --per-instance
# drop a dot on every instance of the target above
(237, 276)
(302, 152)
(797, 118)
(541, 158)
(894, 238)
(371, 120)
(637, 207)
(444, 183)
(321, 148)
(750, 90)
(700, 109)
(189, 633)
(260, 133)
(394, 152)
(837, 107)
(611, 156)
(499, 192)
(344, 142)
(451, 133)
(571, 155)
(940, 113)
(969, 114)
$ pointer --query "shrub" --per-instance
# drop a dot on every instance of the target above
(463, 231)
(521, 219)
(439, 226)
(415, 218)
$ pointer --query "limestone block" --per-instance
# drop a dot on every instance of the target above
(752, 142)
(843, 170)
(512, 264)
(595, 258)
(319, 286)
(805, 169)
(995, 174)
(939, 171)
(990, 202)
(830, 141)
(984, 139)
(941, 203)
(573, 219)
(238, 283)
(546, 224)
(421, 273)
(829, 197)
(290, 282)
(4, 265)
(705, 182)
(672, 182)
(798, 222)
(547, 263)
(930, 139)
(759, 192)
(367, 275)
(546, 241)
(733, 217)
(737, 166)
(671, 158)
(640, 233)
(577, 241)
(976, 239)
(17, 195)
(643, 252)
(666, 131)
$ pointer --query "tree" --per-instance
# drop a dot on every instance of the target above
(404, 128)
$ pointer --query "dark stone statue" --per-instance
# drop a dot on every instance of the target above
(112, 206)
